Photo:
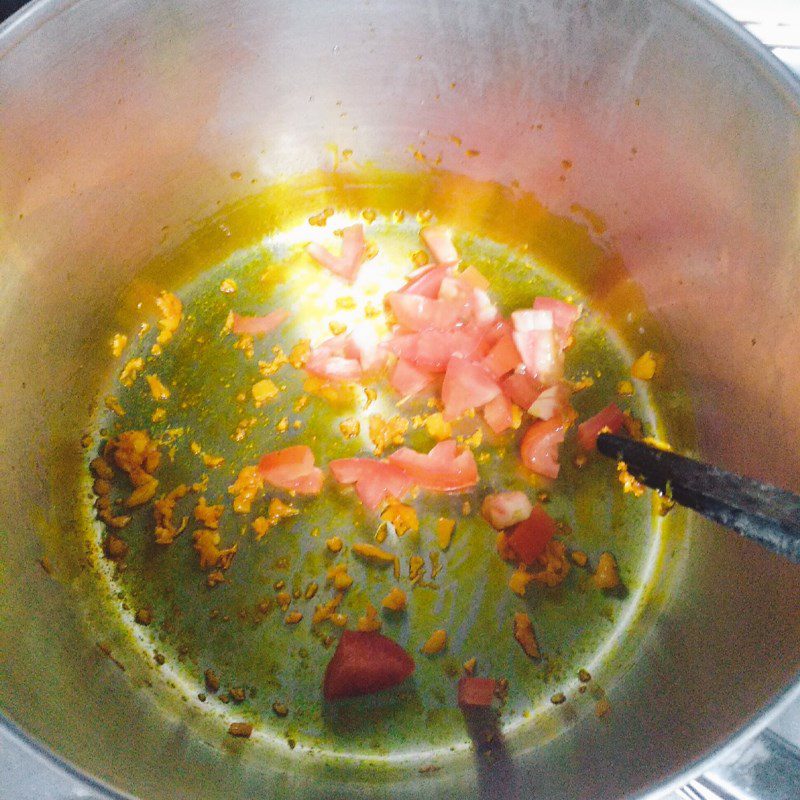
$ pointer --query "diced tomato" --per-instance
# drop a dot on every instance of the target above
(484, 311)
(335, 368)
(498, 413)
(288, 464)
(307, 484)
(530, 537)
(504, 509)
(443, 469)
(539, 447)
(259, 325)
(349, 262)
(409, 380)
(475, 278)
(374, 480)
(466, 385)
(439, 241)
(527, 319)
(610, 417)
(503, 357)
(550, 402)
(475, 692)
(362, 344)
(565, 315)
(426, 281)
(540, 354)
(292, 469)
(365, 662)
(417, 313)
(432, 350)
(521, 389)
(459, 294)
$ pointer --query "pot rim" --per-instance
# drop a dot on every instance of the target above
(37, 13)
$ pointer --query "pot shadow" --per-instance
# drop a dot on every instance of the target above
(497, 778)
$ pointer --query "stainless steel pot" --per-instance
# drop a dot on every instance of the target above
(120, 123)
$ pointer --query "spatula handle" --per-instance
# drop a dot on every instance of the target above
(766, 514)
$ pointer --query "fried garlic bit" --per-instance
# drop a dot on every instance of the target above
(370, 621)
(337, 575)
(264, 390)
(629, 483)
(102, 488)
(137, 455)
(157, 388)
(166, 529)
(118, 343)
(372, 553)
(437, 427)
(436, 643)
(206, 543)
(403, 517)
(171, 310)
(606, 576)
(277, 511)
(645, 367)
(245, 489)
(395, 600)
(444, 531)
(386, 432)
(112, 404)
(525, 635)
(327, 610)
(131, 371)
(550, 569)
(350, 427)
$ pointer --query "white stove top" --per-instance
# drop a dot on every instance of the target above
(764, 768)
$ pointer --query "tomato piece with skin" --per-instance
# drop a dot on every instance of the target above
(426, 282)
(529, 538)
(432, 350)
(498, 414)
(565, 315)
(409, 380)
(417, 313)
(374, 480)
(476, 692)
(354, 250)
(259, 325)
(443, 469)
(288, 464)
(521, 389)
(439, 241)
(539, 447)
(540, 353)
(466, 385)
(610, 417)
(306, 484)
(365, 662)
(503, 357)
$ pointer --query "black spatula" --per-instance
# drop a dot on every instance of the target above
(758, 511)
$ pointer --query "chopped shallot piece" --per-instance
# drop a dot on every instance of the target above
(529, 538)
(349, 262)
(610, 417)
(259, 325)
(439, 241)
